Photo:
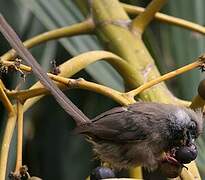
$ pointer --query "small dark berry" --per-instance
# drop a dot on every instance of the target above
(186, 154)
(101, 173)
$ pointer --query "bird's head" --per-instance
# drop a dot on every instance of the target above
(185, 126)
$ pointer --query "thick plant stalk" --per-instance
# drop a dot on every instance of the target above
(110, 18)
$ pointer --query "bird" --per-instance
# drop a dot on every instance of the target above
(145, 134)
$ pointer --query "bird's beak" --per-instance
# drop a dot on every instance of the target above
(190, 139)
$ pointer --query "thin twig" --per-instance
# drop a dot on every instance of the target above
(19, 136)
(199, 62)
(39, 90)
(135, 10)
(21, 66)
(141, 22)
(77, 63)
(73, 83)
(84, 27)
(3, 97)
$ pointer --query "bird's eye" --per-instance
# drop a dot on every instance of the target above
(192, 129)
(192, 125)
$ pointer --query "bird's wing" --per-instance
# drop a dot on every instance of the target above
(118, 124)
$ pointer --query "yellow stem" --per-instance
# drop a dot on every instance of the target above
(192, 173)
(84, 27)
(77, 63)
(7, 136)
(140, 23)
(135, 10)
(3, 97)
(136, 172)
(19, 136)
(182, 102)
(83, 84)
(166, 77)
(73, 65)
(81, 61)
(119, 97)
(12, 64)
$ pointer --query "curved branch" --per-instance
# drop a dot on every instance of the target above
(81, 61)
(135, 10)
(84, 27)
(65, 83)
(3, 97)
(7, 136)
(77, 63)
(198, 63)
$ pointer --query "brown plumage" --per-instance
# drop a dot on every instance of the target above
(141, 133)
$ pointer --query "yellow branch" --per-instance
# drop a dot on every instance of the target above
(199, 62)
(75, 64)
(83, 84)
(79, 62)
(192, 173)
(140, 23)
(71, 66)
(12, 64)
(134, 10)
(19, 137)
(3, 97)
(84, 27)
(119, 97)
(7, 136)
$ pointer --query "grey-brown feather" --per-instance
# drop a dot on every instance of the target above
(137, 134)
